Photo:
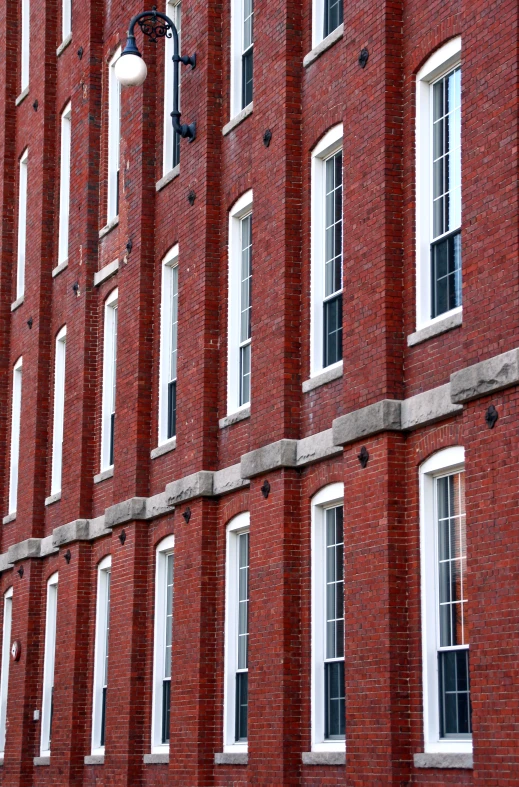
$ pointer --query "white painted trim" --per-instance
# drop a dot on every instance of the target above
(22, 223)
(109, 375)
(165, 548)
(441, 62)
(114, 138)
(240, 210)
(239, 524)
(48, 663)
(237, 10)
(330, 144)
(328, 497)
(64, 184)
(25, 26)
(66, 20)
(323, 46)
(447, 461)
(169, 262)
(6, 658)
(102, 612)
(59, 410)
(16, 409)
(173, 10)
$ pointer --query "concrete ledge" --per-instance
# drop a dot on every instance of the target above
(325, 44)
(270, 457)
(4, 562)
(95, 759)
(428, 407)
(64, 44)
(316, 447)
(442, 326)
(383, 416)
(231, 758)
(77, 530)
(234, 418)
(108, 227)
(237, 119)
(464, 761)
(53, 499)
(17, 303)
(158, 505)
(196, 485)
(59, 268)
(41, 761)
(9, 518)
(47, 546)
(321, 379)
(97, 529)
(159, 185)
(22, 95)
(156, 759)
(486, 377)
(164, 449)
(24, 550)
(106, 272)
(324, 757)
(100, 477)
(228, 480)
(127, 511)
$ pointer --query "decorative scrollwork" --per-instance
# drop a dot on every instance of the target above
(154, 27)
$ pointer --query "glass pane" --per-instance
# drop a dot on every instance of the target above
(335, 721)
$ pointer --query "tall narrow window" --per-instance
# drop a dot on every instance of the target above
(114, 134)
(59, 411)
(438, 185)
(240, 305)
(246, 58)
(447, 710)
(242, 46)
(328, 687)
(22, 225)
(236, 699)
(326, 286)
(101, 656)
(64, 184)
(171, 139)
(168, 349)
(163, 644)
(109, 381)
(333, 15)
(15, 435)
(66, 19)
(25, 26)
(48, 665)
(6, 658)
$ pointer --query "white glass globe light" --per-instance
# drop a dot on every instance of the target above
(131, 70)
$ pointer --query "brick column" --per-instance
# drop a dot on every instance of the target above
(275, 632)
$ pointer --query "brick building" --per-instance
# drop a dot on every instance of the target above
(259, 466)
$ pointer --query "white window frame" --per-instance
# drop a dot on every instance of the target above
(237, 11)
(59, 410)
(165, 548)
(25, 24)
(328, 497)
(64, 184)
(6, 658)
(48, 664)
(330, 144)
(239, 524)
(16, 408)
(114, 138)
(109, 376)
(66, 19)
(318, 23)
(444, 462)
(174, 11)
(104, 569)
(22, 224)
(242, 208)
(169, 262)
(440, 63)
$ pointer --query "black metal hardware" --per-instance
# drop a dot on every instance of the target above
(155, 25)
(129, 246)
(191, 197)
(30, 322)
(265, 489)
(491, 416)
(68, 556)
(20, 572)
(35, 105)
(363, 57)
(187, 515)
(80, 52)
(122, 536)
(363, 457)
(75, 287)
(267, 137)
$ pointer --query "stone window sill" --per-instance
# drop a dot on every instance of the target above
(108, 227)
(22, 95)
(324, 757)
(231, 758)
(95, 759)
(59, 268)
(41, 761)
(9, 518)
(164, 449)
(100, 477)
(325, 44)
(105, 273)
(447, 760)
(64, 44)
(168, 177)
(449, 322)
(156, 759)
(53, 499)
(324, 377)
(17, 303)
(234, 418)
(237, 119)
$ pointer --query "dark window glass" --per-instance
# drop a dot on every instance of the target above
(333, 15)
(446, 273)
(166, 702)
(103, 718)
(166, 683)
(455, 709)
(248, 44)
(242, 675)
(332, 307)
(334, 664)
(172, 409)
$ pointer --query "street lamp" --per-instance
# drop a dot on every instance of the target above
(131, 69)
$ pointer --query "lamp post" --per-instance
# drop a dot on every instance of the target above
(131, 69)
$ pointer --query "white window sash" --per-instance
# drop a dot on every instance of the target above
(59, 411)
(6, 658)
(25, 24)
(173, 10)
(48, 664)
(66, 19)
(64, 185)
(114, 135)
(15, 435)
(169, 262)
(165, 548)
(237, 19)
(101, 644)
(240, 524)
(109, 376)
(22, 225)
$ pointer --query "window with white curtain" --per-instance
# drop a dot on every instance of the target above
(240, 305)
(64, 184)
(6, 658)
(48, 666)
(109, 381)
(59, 410)
(16, 414)
(101, 655)
(114, 138)
(168, 347)
(242, 47)
(22, 224)
(164, 570)
(66, 19)
(171, 139)
(25, 26)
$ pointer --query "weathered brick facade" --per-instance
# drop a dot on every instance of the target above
(383, 644)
